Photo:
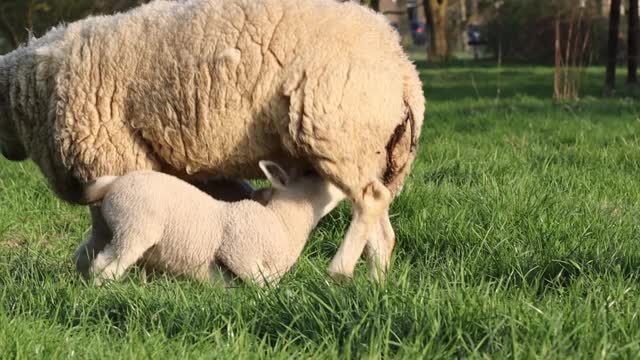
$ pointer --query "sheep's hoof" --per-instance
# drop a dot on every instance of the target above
(340, 278)
(98, 281)
(376, 276)
(101, 280)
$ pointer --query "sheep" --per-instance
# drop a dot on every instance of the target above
(170, 225)
(216, 86)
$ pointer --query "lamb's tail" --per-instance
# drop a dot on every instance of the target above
(96, 190)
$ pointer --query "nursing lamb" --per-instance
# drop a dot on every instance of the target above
(168, 224)
(207, 88)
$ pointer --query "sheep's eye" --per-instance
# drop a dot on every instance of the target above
(308, 173)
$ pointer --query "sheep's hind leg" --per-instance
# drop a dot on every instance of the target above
(379, 248)
(368, 210)
(99, 237)
(123, 251)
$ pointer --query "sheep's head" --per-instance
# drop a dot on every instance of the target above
(11, 145)
(303, 185)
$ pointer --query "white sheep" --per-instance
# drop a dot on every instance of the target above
(207, 88)
(168, 224)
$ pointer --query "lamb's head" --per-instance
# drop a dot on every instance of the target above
(307, 186)
(11, 145)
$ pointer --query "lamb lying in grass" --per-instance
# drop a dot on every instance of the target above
(173, 226)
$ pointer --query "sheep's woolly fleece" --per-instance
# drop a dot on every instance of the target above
(209, 87)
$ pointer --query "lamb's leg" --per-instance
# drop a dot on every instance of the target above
(248, 268)
(99, 237)
(125, 249)
(220, 276)
(368, 209)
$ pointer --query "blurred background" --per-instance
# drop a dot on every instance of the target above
(569, 34)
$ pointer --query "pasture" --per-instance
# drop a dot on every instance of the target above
(518, 236)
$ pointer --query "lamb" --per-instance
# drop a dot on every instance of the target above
(220, 189)
(170, 225)
(216, 86)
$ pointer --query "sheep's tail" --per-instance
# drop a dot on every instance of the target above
(95, 191)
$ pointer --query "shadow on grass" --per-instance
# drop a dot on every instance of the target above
(482, 80)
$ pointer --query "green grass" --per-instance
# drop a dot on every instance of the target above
(518, 236)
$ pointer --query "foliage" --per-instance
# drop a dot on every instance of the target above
(524, 30)
(19, 17)
(517, 238)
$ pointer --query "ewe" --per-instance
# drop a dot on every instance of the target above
(207, 88)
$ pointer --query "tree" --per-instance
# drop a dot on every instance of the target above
(632, 49)
(436, 15)
(475, 7)
(612, 49)
(403, 19)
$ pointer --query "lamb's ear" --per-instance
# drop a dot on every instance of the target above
(278, 177)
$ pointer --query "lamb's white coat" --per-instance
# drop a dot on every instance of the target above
(168, 224)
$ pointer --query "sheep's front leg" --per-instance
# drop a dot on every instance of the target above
(99, 237)
(367, 212)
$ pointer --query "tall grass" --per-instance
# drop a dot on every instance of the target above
(517, 237)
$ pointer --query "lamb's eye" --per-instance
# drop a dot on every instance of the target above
(308, 173)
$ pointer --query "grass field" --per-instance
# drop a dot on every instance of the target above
(518, 236)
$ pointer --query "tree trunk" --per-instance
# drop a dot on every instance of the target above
(403, 20)
(29, 17)
(612, 50)
(436, 14)
(475, 8)
(463, 25)
(558, 63)
(375, 5)
(632, 57)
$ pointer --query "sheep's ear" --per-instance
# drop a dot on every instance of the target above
(278, 177)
